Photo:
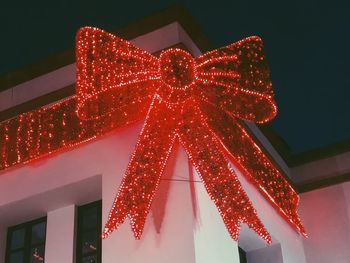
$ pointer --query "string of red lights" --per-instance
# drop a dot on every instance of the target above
(196, 101)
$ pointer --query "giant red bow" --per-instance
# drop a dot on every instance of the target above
(197, 101)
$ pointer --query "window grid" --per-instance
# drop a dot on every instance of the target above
(89, 235)
(27, 250)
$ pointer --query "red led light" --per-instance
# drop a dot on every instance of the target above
(198, 101)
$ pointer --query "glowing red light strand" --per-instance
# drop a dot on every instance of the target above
(196, 100)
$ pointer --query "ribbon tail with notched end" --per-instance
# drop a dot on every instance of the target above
(144, 171)
(220, 181)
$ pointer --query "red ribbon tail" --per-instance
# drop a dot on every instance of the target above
(255, 164)
(143, 174)
(220, 181)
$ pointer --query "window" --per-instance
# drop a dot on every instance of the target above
(89, 233)
(26, 242)
(242, 255)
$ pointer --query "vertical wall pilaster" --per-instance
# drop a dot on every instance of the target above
(212, 240)
(60, 234)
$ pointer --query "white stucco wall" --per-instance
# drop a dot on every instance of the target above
(325, 213)
(212, 240)
(183, 238)
(282, 233)
(109, 158)
(60, 235)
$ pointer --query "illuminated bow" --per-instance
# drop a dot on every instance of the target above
(197, 101)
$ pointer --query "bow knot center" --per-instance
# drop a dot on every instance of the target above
(177, 69)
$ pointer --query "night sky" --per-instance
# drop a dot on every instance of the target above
(307, 45)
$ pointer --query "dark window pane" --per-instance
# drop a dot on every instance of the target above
(89, 242)
(17, 238)
(26, 242)
(90, 259)
(37, 254)
(242, 255)
(16, 257)
(38, 233)
(90, 218)
(89, 233)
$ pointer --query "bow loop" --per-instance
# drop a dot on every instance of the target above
(236, 79)
(111, 73)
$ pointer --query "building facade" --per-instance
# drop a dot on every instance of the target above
(53, 209)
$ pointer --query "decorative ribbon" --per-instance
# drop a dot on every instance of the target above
(198, 101)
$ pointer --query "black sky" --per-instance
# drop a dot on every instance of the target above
(307, 45)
